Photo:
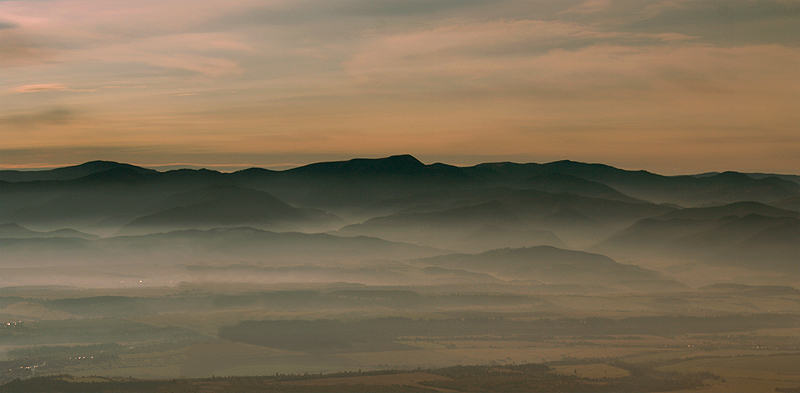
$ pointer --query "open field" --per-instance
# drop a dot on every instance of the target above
(754, 373)
(510, 378)
(196, 332)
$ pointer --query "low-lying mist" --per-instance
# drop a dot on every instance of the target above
(391, 264)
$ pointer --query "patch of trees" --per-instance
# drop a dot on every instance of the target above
(62, 384)
(536, 378)
(59, 383)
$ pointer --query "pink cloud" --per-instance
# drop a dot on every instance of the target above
(39, 88)
(51, 87)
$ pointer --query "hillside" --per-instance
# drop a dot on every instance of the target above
(546, 264)
(225, 206)
(670, 223)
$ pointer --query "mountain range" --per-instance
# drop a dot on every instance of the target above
(398, 209)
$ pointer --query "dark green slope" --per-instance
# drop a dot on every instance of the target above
(68, 173)
(119, 192)
(792, 204)
(738, 209)
(557, 183)
(12, 230)
(546, 264)
(574, 219)
(225, 206)
(439, 228)
(682, 190)
(731, 233)
(774, 249)
(653, 236)
(239, 245)
(597, 198)
(491, 237)
(716, 236)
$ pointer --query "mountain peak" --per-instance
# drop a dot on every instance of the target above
(406, 158)
(102, 166)
(392, 165)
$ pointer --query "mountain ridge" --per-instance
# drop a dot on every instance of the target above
(395, 163)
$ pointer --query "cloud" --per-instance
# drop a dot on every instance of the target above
(464, 76)
(589, 7)
(166, 35)
(720, 23)
(525, 55)
(56, 116)
(19, 49)
(7, 25)
(396, 7)
(39, 88)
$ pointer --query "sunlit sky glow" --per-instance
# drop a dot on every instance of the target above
(671, 87)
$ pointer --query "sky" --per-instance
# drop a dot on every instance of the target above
(672, 87)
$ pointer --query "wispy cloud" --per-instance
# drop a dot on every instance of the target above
(589, 7)
(56, 116)
(440, 77)
(537, 56)
(44, 87)
(165, 35)
(7, 25)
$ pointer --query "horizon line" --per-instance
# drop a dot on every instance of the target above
(231, 168)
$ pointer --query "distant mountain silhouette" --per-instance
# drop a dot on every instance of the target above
(360, 181)
(394, 165)
(636, 215)
(491, 237)
(792, 203)
(11, 230)
(546, 264)
(651, 236)
(225, 206)
(718, 235)
(682, 190)
(68, 173)
(242, 244)
(733, 232)
(658, 234)
(729, 187)
(775, 249)
(98, 197)
(557, 183)
(569, 216)
(566, 216)
(758, 175)
(438, 228)
(738, 209)
(509, 172)
(401, 221)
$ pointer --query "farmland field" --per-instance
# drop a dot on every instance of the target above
(225, 331)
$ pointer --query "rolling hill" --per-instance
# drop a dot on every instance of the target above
(226, 206)
(716, 219)
(739, 234)
(224, 245)
(548, 265)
